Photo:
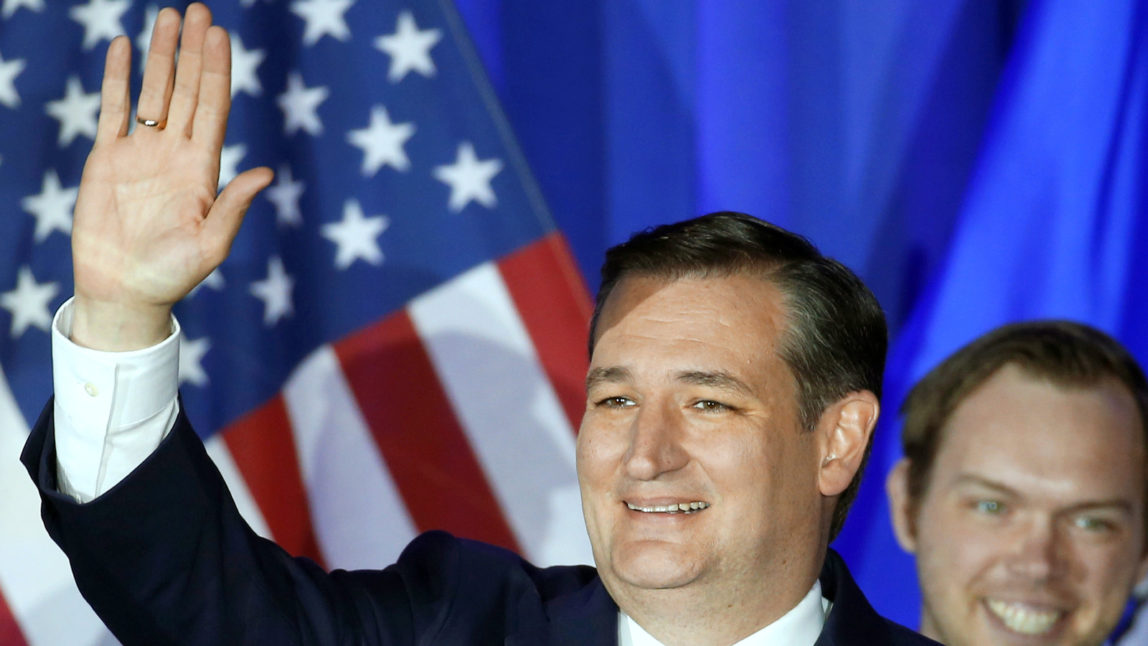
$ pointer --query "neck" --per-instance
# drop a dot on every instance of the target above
(928, 628)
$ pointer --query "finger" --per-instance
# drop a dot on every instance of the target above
(226, 214)
(210, 123)
(115, 97)
(196, 20)
(156, 87)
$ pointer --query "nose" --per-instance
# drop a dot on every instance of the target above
(1038, 551)
(655, 442)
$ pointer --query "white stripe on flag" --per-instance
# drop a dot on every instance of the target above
(475, 338)
(359, 516)
(34, 573)
(244, 501)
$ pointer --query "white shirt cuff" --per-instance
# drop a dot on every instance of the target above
(112, 408)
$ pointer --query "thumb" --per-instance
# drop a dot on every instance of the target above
(226, 213)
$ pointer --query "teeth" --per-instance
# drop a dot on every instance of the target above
(1024, 619)
(686, 507)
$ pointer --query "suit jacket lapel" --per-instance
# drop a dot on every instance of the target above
(851, 620)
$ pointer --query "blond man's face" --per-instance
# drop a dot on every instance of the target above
(1031, 526)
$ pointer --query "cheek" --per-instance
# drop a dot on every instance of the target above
(767, 484)
(595, 455)
(774, 468)
(950, 564)
(947, 541)
(1106, 567)
(583, 458)
(726, 460)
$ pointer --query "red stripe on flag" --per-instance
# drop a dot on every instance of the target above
(427, 453)
(555, 307)
(9, 630)
(263, 448)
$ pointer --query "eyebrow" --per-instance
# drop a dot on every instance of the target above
(612, 375)
(712, 379)
(966, 479)
(715, 379)
(1113, 503)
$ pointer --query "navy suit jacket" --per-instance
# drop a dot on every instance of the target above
(165, 558)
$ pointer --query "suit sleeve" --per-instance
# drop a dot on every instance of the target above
(164, 557)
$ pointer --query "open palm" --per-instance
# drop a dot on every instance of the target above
(148, 225)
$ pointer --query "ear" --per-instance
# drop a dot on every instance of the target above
(843, 434)
(900, 509)
(1142, 568)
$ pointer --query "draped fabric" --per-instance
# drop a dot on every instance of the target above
(975, 162)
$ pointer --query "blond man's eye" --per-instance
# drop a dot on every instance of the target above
(990, 507)
(1093, 524)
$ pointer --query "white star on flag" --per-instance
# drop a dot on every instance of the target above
(191, 360)
(382, 142)
(285, 194)
(323, 18)
(229, 160)
(409, 48)
(244, 67)
(143, 41)
(275, 292)
(10, 6)
(356, 236)
(28, 302)
(214, 280)
(8, 73)
(52, 207)
(76, 112)
(469, 178)
(101, 19)
(299, 104)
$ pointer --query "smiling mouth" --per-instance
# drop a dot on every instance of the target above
(1023, 618)
(680, 508)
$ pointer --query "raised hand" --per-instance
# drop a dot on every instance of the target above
(148, 225)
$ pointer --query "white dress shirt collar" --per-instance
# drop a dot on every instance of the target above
(799, 627)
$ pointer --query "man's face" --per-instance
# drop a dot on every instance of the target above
(1030, 530)
(693, 467)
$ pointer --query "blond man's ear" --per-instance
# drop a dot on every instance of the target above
(900, 507)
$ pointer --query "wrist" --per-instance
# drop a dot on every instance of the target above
(118, 327)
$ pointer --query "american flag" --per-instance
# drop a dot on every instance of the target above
(396, 342)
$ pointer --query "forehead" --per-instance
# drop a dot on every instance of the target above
(709, 306)
(732, 320)
(1041, 439)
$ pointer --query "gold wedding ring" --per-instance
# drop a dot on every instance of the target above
(151, 123)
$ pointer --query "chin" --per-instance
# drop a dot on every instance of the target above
(654, 565)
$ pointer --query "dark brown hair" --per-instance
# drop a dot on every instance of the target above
(1065, 353)
(836, 339)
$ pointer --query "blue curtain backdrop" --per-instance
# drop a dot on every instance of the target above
(975, 162)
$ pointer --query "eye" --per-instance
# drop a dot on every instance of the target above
(989, 507)
(614, 402)
(711, 406)
(1094, 524)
